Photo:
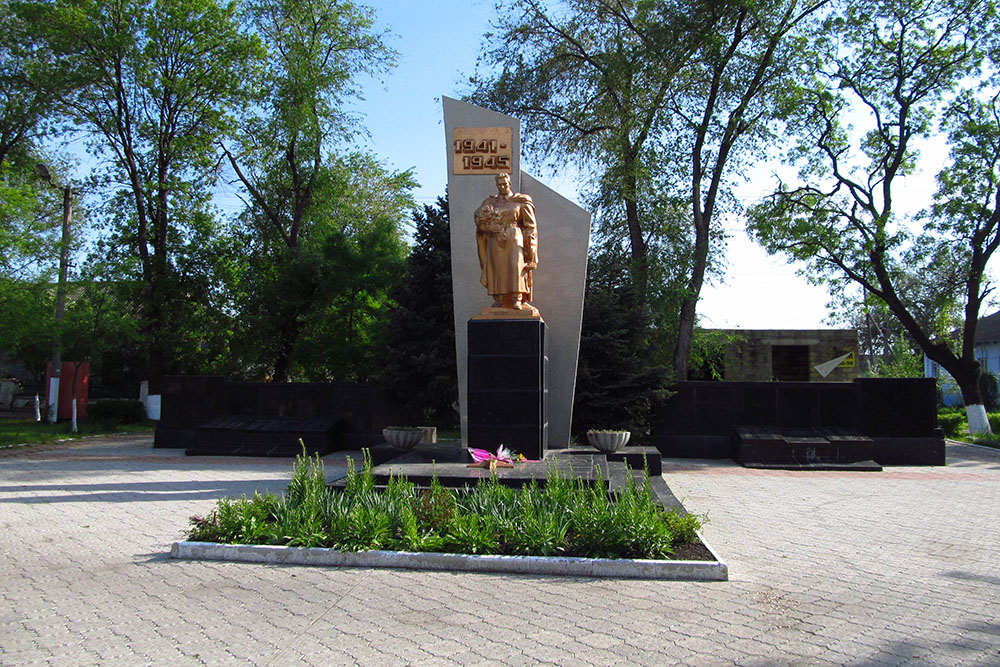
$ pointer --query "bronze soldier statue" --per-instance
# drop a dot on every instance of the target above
(507, 239)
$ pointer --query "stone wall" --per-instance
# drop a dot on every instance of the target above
(189, 401)
(900, 415)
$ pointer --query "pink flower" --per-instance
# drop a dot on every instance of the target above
(503, 454)
(480, 455)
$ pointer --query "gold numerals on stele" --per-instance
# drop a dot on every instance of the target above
(483, 150)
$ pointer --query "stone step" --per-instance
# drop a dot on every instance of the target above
(266, 436)
(800, 446)
(256, 450)
(635, 456)
(855, 466)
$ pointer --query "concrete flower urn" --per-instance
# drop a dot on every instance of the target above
(402, 437)
(608, 442)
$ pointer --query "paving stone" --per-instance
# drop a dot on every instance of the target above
(826, 568)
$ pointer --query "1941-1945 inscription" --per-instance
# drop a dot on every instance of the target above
(482, 150)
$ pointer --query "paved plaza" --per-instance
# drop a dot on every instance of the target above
(898, 567)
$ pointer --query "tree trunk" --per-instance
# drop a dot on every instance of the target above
(281, 366)
(283, 362)
(685, 331)
(964, 369)
(966, 374)
(967, 377)
(639, 249)
(685, 324)
(155, 326)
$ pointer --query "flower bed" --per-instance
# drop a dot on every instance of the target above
(563, 518)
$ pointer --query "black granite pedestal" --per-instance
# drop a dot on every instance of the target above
(507, 386)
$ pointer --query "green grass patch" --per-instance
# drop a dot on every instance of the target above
(14, 432)
(565, 517)
(955, 425)
(988, 440)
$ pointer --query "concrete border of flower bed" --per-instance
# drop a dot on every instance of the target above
(675, 570)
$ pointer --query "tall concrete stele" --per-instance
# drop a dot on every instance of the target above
(563, 239)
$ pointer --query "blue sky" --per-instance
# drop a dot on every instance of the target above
(437, 43)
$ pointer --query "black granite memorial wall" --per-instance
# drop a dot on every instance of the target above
(210, 414)
(899, 415)
(507, 391)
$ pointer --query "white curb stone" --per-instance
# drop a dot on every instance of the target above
(675, 570)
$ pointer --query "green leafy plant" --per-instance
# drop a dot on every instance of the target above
(435, 507)
(994, 418)
(566, 516)
(951, 423)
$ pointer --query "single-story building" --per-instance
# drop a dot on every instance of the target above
(788, 355)
(987, 354)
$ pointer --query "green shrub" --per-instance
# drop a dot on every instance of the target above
(565, 517)
(951, 423)
(684, 526)
(117, 411)
(994, 418)
(241, 521)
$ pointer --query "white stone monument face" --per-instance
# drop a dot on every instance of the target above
(563, 240)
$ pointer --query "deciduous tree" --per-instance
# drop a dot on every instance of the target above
(162, 79)
(33, 78)
(29, 218)
(325, 228)
(26, 311)
(663, 99)
(313, 311)
(894, 69)
(728, 104)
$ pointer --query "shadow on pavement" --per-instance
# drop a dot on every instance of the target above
(972, 576)
(962, 455)
(128, 492)
(154, 557)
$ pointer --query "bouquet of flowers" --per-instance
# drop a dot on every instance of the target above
(488, 219)
(504, 458)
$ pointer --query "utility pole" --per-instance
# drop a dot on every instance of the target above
(53, 407)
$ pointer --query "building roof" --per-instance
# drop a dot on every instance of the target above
(988, 329)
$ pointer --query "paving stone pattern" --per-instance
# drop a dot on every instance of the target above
(897, 567)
